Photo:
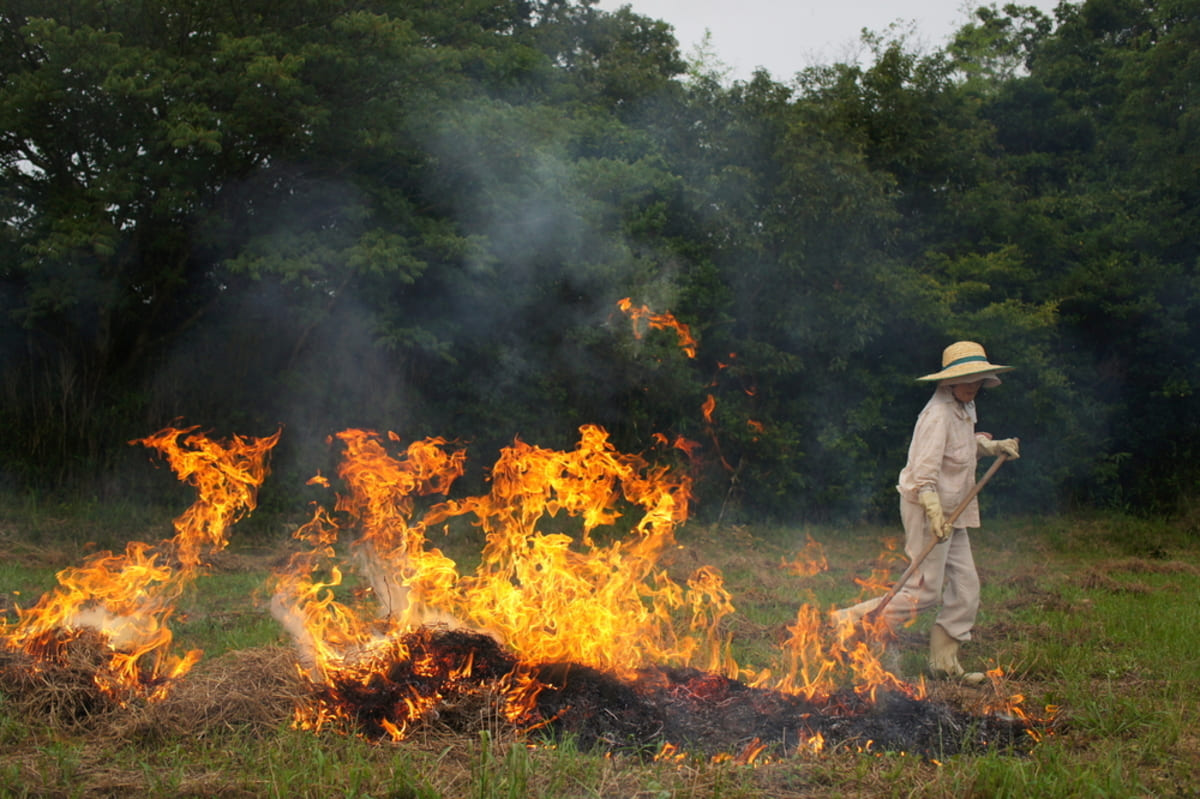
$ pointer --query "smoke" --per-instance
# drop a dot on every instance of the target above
(284, 611)
(530, 309)
(125, 633)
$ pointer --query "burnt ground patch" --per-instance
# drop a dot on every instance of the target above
(694, 711)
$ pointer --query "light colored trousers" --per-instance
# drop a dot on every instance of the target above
(947, 575)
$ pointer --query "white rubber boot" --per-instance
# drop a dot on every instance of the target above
(943, 659)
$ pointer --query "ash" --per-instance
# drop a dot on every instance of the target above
(708, 714)
(697, 712)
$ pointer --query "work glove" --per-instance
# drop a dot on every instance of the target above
(937, 518)
(1004, 446)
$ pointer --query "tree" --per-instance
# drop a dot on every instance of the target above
(280, 193)
(114, 140)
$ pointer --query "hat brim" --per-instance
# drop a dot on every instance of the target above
(989, 380)
(967, 373)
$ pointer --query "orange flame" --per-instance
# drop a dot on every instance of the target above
(819, 660)
(1010, 703)
(548, 587)
(642, 317)
(547, 596)
(686, 446)
(129, 598)
(815, 743)
(809, 562)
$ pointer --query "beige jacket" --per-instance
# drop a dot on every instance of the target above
(942, 456)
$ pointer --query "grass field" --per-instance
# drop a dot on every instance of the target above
(1096, 616)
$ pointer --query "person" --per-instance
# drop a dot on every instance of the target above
(939, 474)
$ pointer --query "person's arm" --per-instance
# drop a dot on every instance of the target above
(925, 456)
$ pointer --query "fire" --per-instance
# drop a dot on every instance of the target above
(544, 595)
(571, 578)
(1008, 703)
(549, 588)
(815, 743)
(642, 317)
(128, 598)
(809, 562)
(882, 576)
(818, 662)
(571, 614)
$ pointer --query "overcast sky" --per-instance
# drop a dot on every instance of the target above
(785, 36)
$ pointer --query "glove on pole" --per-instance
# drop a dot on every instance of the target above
(933, 510)
(1005, 446)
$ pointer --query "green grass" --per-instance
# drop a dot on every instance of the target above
(1096, 615)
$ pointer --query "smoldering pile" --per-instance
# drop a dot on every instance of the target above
(693, 711)
(708, 714)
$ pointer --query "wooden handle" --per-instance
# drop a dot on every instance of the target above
(934, 541)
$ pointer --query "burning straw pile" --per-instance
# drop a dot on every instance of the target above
(254, 689)
(96, 650)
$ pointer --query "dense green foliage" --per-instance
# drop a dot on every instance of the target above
(419, 217)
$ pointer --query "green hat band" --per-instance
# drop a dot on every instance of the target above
(967, 359)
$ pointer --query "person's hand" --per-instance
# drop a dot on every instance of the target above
(1004, 446)
(937, 517)
(1010, 447)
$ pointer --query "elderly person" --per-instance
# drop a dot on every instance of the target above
(939, 474)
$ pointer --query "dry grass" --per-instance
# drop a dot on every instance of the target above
(61, 696)
(1110, 575)
(254, 690)
(224, 730)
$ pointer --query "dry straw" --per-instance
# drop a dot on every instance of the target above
(254, 689)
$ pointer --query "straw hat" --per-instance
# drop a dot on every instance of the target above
(966, 359)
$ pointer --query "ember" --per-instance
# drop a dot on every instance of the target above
(663, 708)
(642, 317)
(435, 668)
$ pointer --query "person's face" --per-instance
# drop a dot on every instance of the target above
(965, 392)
